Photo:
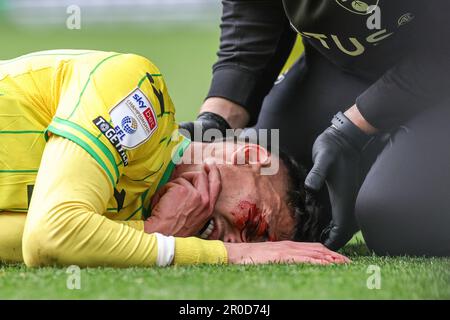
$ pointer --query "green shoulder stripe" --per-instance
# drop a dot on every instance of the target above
(93, 139)
(86, 147)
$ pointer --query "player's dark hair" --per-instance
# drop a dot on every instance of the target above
(310, 215)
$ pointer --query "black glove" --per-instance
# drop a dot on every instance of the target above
(337, 157)
(206, 120)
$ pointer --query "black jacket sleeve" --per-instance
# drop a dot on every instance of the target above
(420, 80)
(255, 42)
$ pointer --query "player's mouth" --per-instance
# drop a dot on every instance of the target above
(211, 230)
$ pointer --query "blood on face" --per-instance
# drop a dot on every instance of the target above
(249, 219)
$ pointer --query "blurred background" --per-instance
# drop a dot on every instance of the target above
(180, 36)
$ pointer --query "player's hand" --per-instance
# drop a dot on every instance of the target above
(337, 157)
(183, 206)
(205, 121)
(282, 252)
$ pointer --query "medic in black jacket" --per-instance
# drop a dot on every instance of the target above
(379, 70)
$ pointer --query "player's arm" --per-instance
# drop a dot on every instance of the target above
(12, 225)
(64, 226)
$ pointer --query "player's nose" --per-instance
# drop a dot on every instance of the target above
(233, 235)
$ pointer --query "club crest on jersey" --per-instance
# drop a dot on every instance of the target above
(357, 6)
(134, 119)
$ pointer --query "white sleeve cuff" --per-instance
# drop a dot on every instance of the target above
(166, 250)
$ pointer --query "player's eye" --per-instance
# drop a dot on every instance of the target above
(253, 231)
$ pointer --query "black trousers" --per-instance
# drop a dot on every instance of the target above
(403, 206)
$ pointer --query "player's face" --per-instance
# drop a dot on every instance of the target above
(251, 207)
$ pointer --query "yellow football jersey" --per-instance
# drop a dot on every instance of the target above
(113, 105)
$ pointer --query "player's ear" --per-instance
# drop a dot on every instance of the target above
(251, 154)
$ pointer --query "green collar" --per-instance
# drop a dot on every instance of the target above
(168, 173)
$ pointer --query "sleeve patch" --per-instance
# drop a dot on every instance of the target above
(110, 134)
(134, 119)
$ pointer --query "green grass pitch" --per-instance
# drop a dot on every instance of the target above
(401, 278)
(184, 56)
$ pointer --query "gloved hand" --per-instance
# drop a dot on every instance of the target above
(337, 157)
(206, 120)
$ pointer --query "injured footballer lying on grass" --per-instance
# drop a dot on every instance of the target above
(94, 173)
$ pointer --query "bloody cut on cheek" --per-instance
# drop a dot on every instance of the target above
(249, 218)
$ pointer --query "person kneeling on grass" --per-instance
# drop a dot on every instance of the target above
(94, 173)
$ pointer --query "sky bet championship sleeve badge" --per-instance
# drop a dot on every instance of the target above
(134, 119)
